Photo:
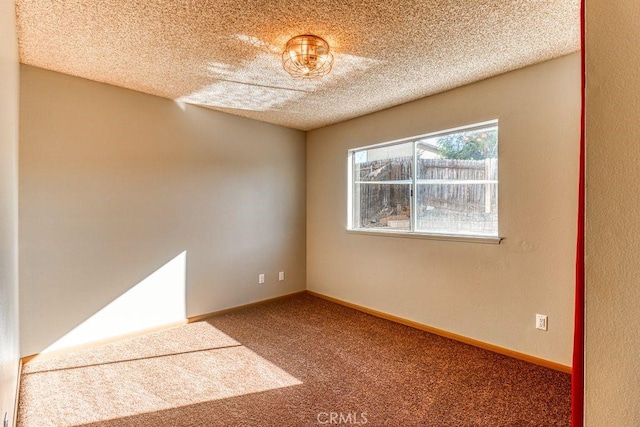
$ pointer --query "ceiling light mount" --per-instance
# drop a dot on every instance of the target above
(307, 57)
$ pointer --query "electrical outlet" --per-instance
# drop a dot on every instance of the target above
(281, 276)
(541, 322)
(6, 420)
(261, 279)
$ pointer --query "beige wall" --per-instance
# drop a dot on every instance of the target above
(116, 185)
(9, 81)
(612, 214)
(487, 292)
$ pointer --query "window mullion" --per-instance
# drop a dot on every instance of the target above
(414, 189)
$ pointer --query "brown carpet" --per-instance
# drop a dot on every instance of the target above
(296, 362)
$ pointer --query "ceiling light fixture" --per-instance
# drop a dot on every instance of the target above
(307, 57)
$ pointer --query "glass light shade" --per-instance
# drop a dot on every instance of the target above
(307, 57)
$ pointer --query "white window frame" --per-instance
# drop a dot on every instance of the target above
(414, 184)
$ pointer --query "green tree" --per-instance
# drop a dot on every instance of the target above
(475, 145)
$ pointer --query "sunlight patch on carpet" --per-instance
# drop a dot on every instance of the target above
(102, 384)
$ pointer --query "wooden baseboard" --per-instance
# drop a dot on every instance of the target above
(446, 334)
(242, 307)
(94, 344)
(17, 399)
(410, 323)
(98, 343)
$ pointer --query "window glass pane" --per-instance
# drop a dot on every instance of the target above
(383, 206)
(458, 209)
(382, 187)
(457, 183)
(474, 145)
(390, 163)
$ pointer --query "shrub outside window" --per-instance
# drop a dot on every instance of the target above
(444, 183)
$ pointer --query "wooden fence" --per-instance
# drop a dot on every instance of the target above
(461, 187)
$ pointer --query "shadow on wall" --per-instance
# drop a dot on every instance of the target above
(157, 300)
(122, 189)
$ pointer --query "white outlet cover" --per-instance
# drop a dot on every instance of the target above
(541, 322)
(261, 279)
(281, 276)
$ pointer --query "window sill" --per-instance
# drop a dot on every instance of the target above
(431, 236)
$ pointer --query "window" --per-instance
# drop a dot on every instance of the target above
(444, 183)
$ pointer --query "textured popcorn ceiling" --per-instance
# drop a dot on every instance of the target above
(225, 54)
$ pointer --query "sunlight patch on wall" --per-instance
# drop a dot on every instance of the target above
(157, 300)
(261, 84)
